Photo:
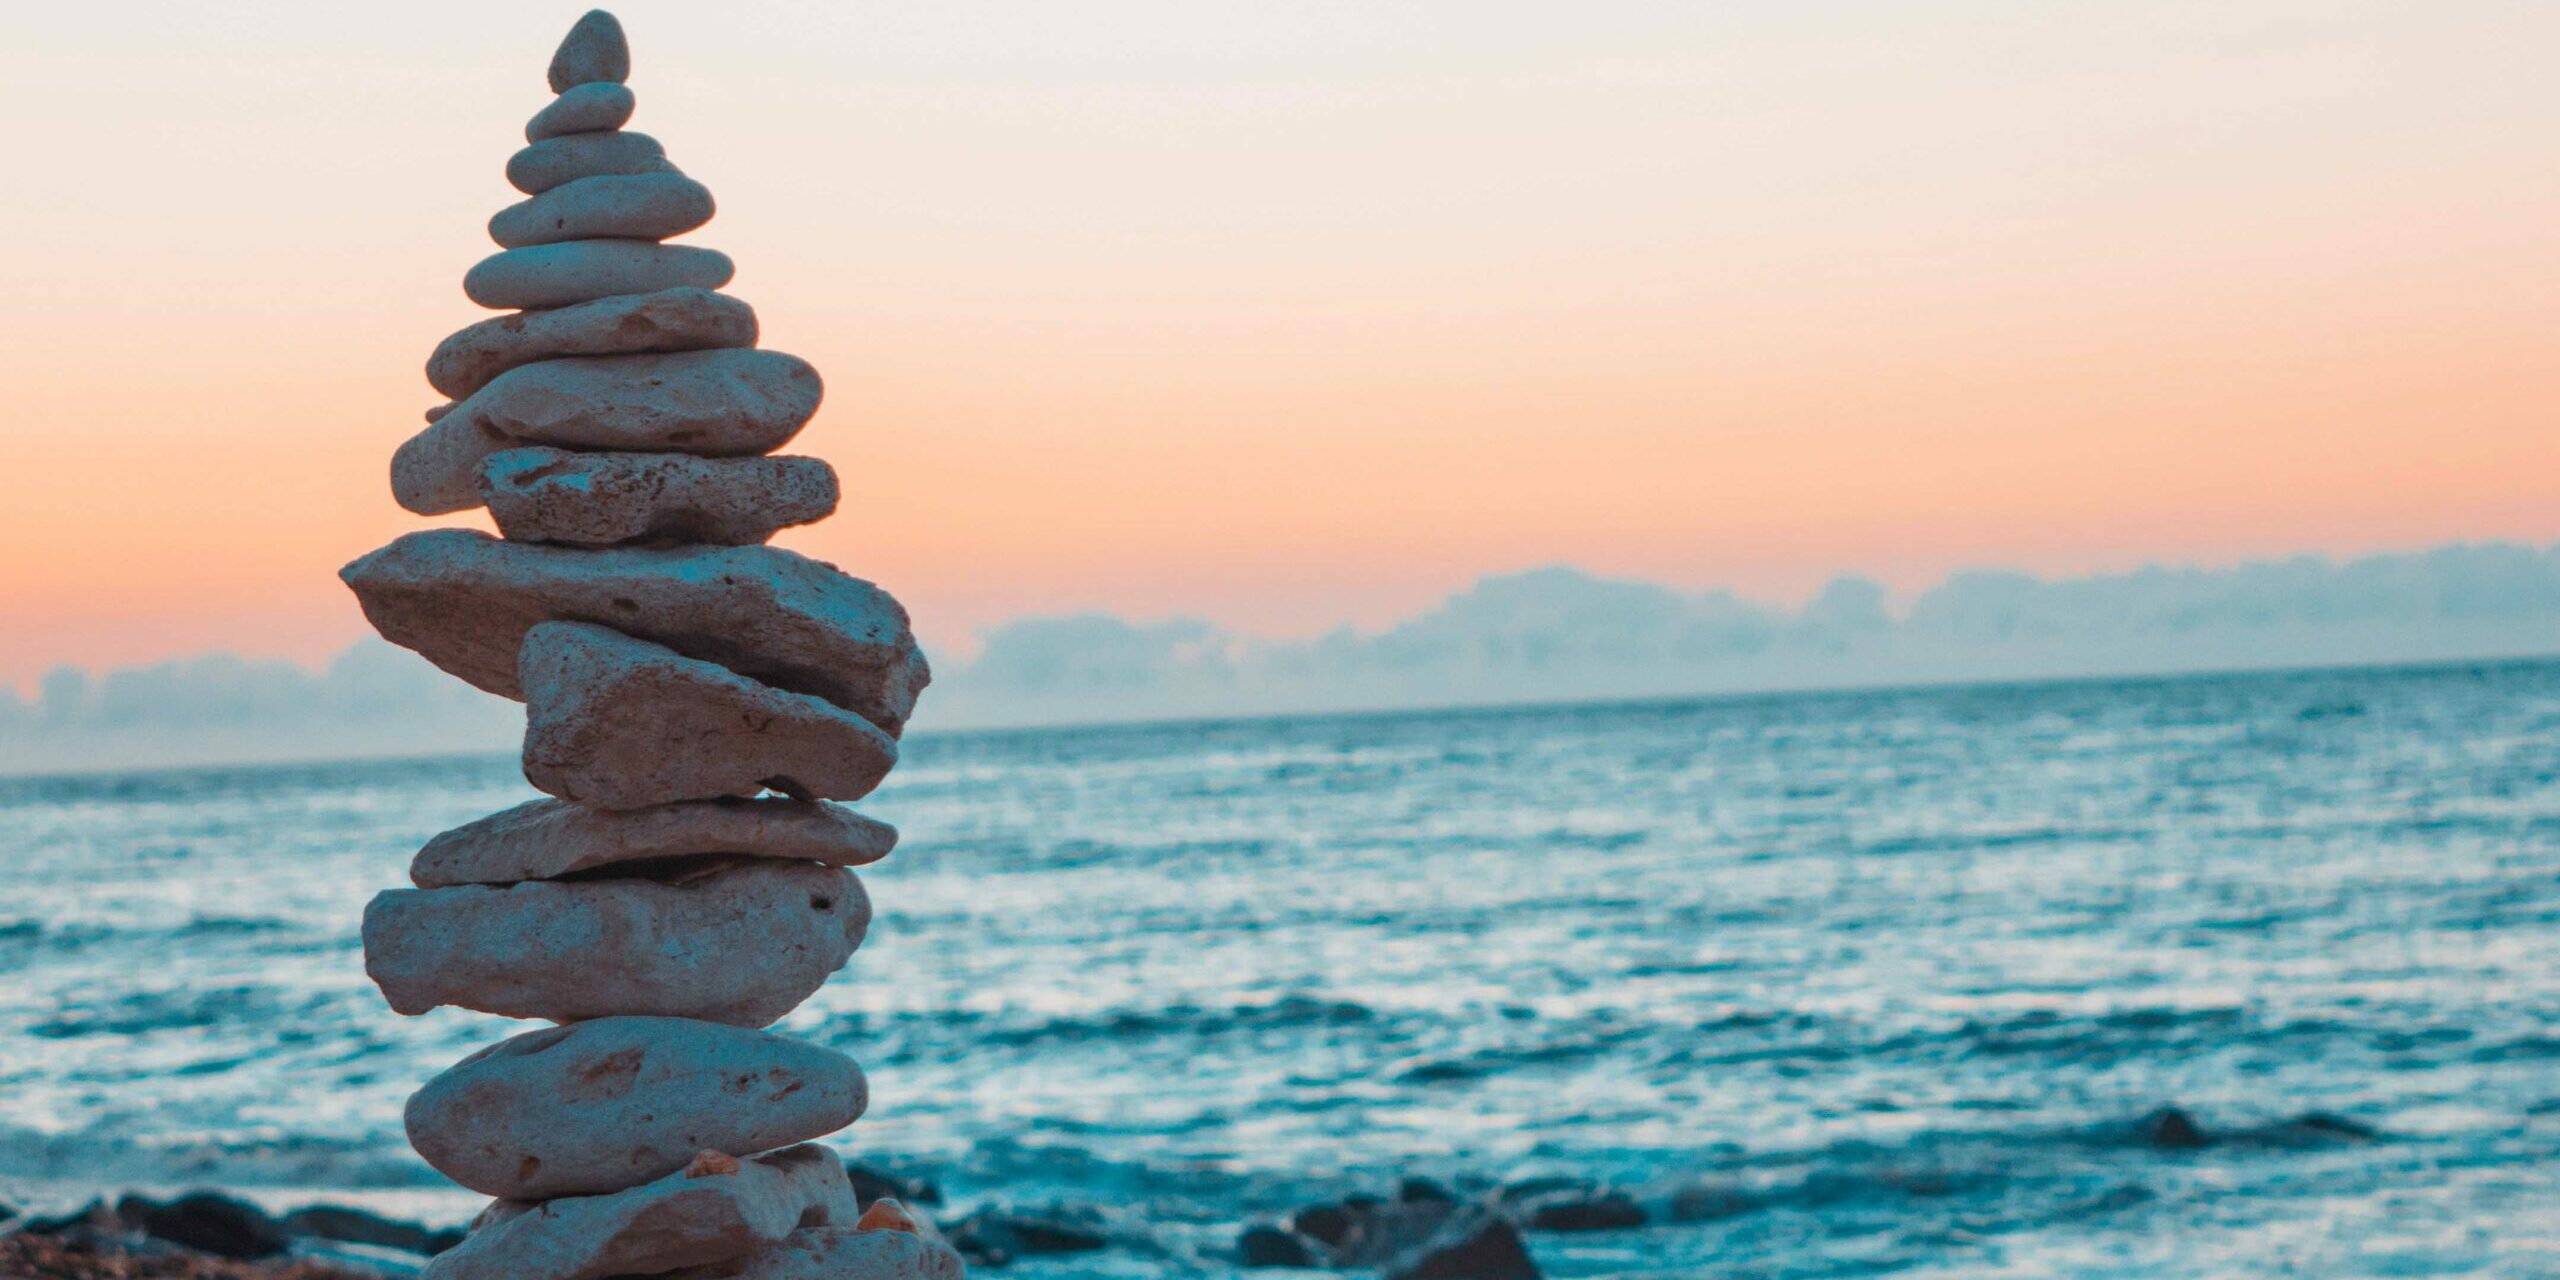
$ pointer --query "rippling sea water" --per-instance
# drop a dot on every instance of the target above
(1889, 974)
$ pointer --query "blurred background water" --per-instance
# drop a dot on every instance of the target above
(1882, 980)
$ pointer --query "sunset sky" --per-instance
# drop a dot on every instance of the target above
(1295, 314)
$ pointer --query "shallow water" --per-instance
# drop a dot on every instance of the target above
(1891, 973)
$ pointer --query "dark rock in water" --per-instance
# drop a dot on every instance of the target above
(2311, 1129)
(2170, 1129)
(1424, 1191)
(1277, 1247)
(1473, 1243)
(996, 1235)
(1709, 1201)
(1609, 1211)
(1528, 1189)
(1333, 1224)
(360, 1226)
(91, 1219)
(208, 1223)
(871, 1184)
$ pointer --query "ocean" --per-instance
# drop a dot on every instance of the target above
(1873, 983)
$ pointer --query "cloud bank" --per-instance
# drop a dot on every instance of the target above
(1550, 634)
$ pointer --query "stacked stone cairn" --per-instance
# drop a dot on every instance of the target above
(695, 701)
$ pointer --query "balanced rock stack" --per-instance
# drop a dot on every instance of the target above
(663, 908)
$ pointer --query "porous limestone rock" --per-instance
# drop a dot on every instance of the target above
(694, 1216)
(637, 206)
(608, 499)
(592, 107)
(593, 50)
(540, 166)
(723, 403)
(841, 1253)
(613, 722)
(464, 601)
(736, 940)
(601, 1106)
(549, 839)
(682, 319)
(573, 271)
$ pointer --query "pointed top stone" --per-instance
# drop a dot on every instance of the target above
(593, 50)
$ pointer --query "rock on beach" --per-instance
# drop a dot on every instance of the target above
(611, 499)
(592, 107)
(575, 271)
(641, 206)
(548, 839)
(688, 1218)
(614, 722)
(540, 166)
(601, 1106)
(464, 601)
(679, 319)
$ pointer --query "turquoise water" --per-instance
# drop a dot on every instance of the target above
(1891, 975)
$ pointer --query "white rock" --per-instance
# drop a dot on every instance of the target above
(593, 50)
(609, 499)
(612, 722)
(686, 319)
(573, 271)
(464, 601)
(724, 403)
(686, 1219)
(548, 839)
(597, 1107)
(592, 107)
(739, 940)
(540, 166)
(840, 1253)
(640, 206)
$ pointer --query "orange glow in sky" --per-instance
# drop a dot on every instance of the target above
(1296, 315)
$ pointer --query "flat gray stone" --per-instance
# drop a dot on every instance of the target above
(708, 1212)
(636, 206)
(593, 50)
(548, 839)
(573, 271)
(592, 107)
(841, 1253)
(602, 1106)
(723, 403)
(464, 600)
(685, 319)
(610, 499)
(540, 166)
(613, 722)
(735, 940)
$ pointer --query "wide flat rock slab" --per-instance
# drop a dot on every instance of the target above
(726, 403)
(683, 319)
(602, 1106)
(464, 600)
(614, 722)
(741, 941)
(636, 206)
(547, 839)
(706, 1213)
(583, 108)
(540, 166)
(574, 271)
(611, 499)
(842, 1253)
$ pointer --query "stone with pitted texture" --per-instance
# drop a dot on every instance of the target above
(638, 206)
(735, 940)
(464, 600)
(689, 1218)
(601, 1106)
(841, 1253)
(724, 403)
(612, 499)
(681, 319)
(612, 722)
(550, 839)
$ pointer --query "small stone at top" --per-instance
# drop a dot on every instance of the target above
(594, 50)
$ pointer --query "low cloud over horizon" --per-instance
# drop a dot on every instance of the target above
(1549, 634)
